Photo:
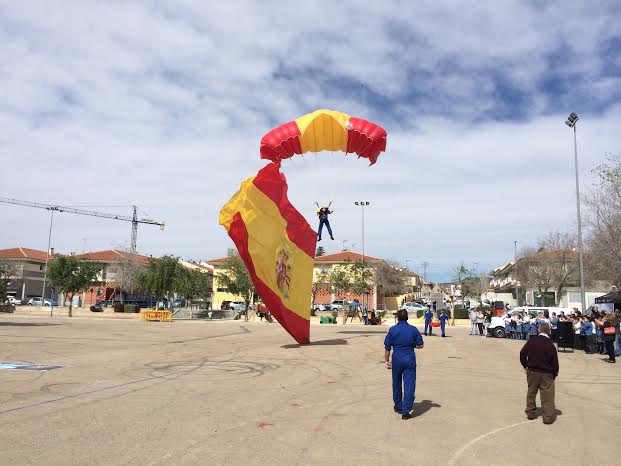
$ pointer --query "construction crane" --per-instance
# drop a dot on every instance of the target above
(57, 208)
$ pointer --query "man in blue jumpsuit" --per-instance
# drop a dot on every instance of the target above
(402, 337)
(323, 213)
(428, 317)
(443, 318)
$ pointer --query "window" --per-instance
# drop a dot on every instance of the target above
(574, 297)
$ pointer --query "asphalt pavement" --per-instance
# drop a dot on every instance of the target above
(195, 392)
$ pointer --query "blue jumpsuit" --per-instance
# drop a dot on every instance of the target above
(443, 318)
(402, 338)
(428, 317)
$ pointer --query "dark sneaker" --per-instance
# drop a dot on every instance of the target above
(406, 416)
(397, 410)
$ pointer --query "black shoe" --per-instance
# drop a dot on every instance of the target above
(406, 416)
(319, 240)
(549, 422)
(610, 361)
(398, 411)
(531, 418)
(331, 238)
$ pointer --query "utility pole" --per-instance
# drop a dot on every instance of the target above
(425, 264)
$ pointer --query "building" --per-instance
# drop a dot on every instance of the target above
(113, 263)
(220, 294)
(29, 267)
(339, 259)
(535, 280)
(374, 298)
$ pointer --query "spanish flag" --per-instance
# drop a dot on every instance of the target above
(277, 245)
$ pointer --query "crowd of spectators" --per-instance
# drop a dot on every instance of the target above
(597, 333)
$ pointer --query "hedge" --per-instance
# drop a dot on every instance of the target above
(132, 308)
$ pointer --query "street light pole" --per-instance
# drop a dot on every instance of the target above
(571, 122)
(362, 204)
(47, 256)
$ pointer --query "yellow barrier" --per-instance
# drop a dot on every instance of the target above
(153, 315)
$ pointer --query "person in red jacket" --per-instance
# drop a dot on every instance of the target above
(540, 362)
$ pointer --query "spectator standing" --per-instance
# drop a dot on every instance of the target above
(553, 327)
(617, 344)
(473, 322)
(540, 362)
(479, 322)
(609, 326)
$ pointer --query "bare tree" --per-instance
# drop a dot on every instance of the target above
(391, 280)
(603, 218)
(128, 273)
(552, 265)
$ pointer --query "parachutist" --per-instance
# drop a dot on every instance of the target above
(323, 213)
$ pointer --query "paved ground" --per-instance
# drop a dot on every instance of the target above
(235, 393)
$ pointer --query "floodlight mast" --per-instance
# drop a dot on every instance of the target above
(572, 119)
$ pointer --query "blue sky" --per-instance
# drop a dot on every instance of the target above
(163, 104)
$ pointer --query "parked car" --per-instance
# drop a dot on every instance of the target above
(38, 301)
(413, 307)
(177, 303)
(336, 305)
(321, 307)
(14, 301)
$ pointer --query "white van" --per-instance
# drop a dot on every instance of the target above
(497, 325)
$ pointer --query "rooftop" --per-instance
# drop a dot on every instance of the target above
(111, 255)
(22, 253)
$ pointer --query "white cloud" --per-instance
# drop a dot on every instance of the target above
(164, 105)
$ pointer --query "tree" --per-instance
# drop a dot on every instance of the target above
(161, 277)
(321, 283)
(603, 202)
(552, 265)
(129, 271)
(362, 279)
(390, 279)
(320, 251)
(236, 279)
(7, 271)
(193, 284)
(468, 283)
(340, 278)
(71, 276)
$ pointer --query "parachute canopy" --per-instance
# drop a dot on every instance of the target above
(324, 130)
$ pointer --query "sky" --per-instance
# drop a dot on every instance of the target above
(163, 105)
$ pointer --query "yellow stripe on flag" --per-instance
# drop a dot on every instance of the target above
(270, 247)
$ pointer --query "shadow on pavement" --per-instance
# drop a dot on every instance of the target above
(363, 332)
(421, 408)
(25, 324)
(336, 341)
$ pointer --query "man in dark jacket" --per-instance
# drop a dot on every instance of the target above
(540, 361)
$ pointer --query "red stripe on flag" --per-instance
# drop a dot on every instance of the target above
(298, 327)
(273, 184)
